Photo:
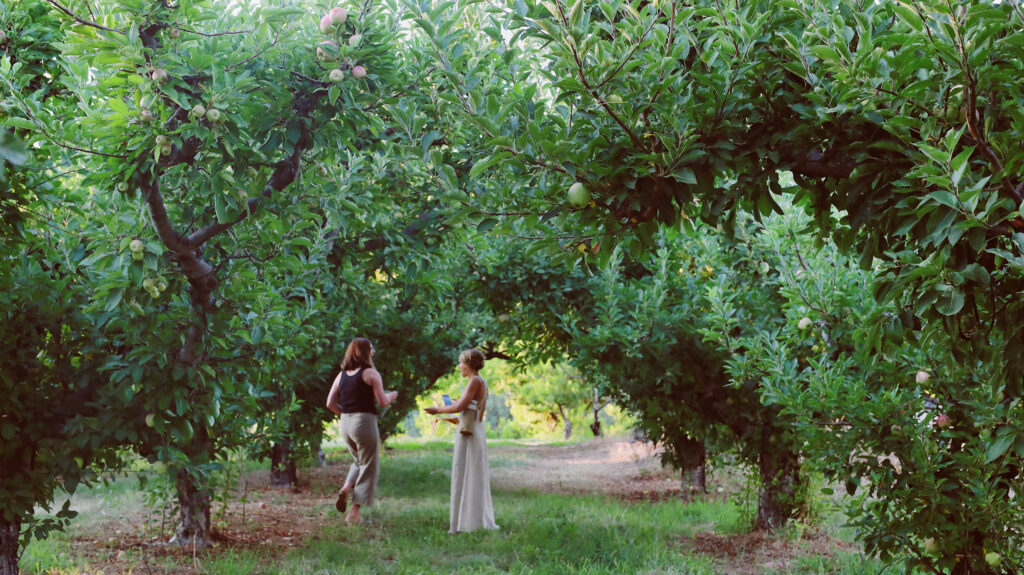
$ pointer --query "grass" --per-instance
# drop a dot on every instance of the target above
(406, 533)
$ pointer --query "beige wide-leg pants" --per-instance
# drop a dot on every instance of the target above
(361, 434)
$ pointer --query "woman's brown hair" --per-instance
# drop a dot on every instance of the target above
(357, 355)
(473, 358)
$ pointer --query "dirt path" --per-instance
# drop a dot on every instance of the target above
(627, 469)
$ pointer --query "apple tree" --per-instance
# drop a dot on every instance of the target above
(896, 121)
(191, 123)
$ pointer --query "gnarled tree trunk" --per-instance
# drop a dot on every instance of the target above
(194, 495)
(282, 465)
(9, 531)
(194, 502)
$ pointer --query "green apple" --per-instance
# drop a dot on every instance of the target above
(136, 246)
(197, 112)
(579, 195)
(213, 115)
(993, 558)
(138, 256)
(150, 420)
(336, 76)
(804, 323)
(930, 546)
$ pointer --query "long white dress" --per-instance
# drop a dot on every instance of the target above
(471, 506)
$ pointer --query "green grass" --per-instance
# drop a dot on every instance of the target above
(407, 533)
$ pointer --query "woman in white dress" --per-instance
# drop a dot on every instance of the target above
(471, 506)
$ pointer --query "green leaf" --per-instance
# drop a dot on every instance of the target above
(977, 274)
(113, 299)
(950, 302)
(486, 224)
(11, 148)
(909, 16)
(959, 164)
(998, 447)
(221, 208)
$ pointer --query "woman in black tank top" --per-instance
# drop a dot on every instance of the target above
(354, 395)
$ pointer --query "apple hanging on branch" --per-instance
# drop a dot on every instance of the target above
(328, 50)
(579, 195)
(336, 17)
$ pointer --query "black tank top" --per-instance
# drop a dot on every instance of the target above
(356, 395)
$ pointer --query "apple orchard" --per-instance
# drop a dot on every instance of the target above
(782, 230)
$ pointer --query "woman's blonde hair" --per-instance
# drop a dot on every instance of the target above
(473, 358)
(358, 354)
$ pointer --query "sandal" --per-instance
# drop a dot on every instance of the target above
(342, 503)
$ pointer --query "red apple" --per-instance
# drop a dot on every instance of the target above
(358, 72)
(158, 75)
(337, 16)
(943, 421)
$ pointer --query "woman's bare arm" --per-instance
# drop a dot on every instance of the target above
(373, 379)
(332, 396)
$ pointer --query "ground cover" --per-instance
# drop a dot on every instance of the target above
(601, 506)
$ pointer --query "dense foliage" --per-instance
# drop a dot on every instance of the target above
(218, 197)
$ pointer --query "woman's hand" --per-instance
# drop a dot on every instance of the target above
(432, 410)
(391, 396)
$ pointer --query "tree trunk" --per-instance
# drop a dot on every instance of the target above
(595, 427)
(692, 457)
(9, 531)
(282, 465)
(778, 500)
(566, 423)
(194, 502)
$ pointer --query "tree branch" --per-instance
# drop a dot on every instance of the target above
(79, 19)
